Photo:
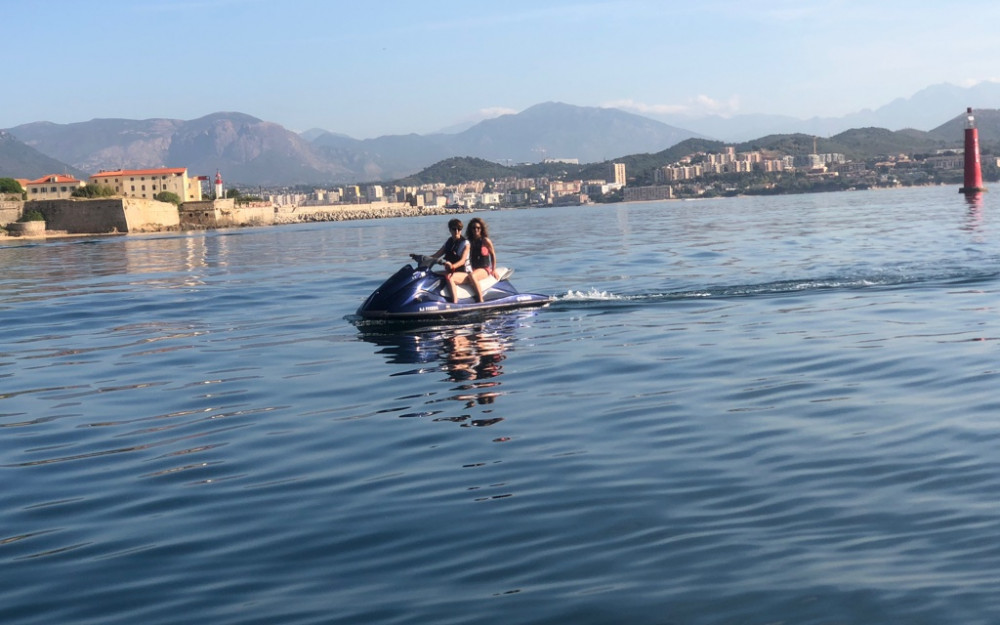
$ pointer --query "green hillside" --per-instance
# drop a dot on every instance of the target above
(457, 170)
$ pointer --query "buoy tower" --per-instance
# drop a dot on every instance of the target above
(973, 169)
(218, 180)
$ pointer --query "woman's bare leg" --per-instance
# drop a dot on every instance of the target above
(454, 279)
(474, 278)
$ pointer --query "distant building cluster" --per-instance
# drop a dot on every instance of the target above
(468, 195)
(692, 175)
(726, 162)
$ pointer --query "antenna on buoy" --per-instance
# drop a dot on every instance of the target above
(973, 169)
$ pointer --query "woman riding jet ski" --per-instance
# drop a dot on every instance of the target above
(415, 293)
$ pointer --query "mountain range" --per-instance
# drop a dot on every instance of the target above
(251, 152)
(924, 110)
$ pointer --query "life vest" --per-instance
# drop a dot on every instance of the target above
(479, 255)
(453, 249)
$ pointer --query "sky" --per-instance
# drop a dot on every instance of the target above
(366, 68)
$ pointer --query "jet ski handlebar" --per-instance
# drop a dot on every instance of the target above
(424, 262)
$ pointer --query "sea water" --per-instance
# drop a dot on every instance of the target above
(742, 410)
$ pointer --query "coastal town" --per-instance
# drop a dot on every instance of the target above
(155, 199)
(696, 175)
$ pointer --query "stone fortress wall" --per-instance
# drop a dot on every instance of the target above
(10, 209)
(107, 215)
(224, 214)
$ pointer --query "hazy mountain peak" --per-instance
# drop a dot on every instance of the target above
(924, 110)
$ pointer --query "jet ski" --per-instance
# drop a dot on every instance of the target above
(417, 293)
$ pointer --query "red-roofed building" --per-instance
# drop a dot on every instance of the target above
(147, 183)
(52, 187)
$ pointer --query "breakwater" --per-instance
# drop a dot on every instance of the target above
(301, 214)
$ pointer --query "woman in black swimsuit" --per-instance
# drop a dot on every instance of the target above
(482, 255)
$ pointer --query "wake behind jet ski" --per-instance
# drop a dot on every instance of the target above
(417, 293)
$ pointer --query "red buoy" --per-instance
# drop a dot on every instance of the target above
(973, 170)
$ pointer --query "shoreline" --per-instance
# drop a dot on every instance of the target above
(311, 214)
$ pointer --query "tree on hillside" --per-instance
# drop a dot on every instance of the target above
(9, 185)
(92, 190)
(168, 196)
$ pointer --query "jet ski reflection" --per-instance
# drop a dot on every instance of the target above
(475, 361)
(470, 355)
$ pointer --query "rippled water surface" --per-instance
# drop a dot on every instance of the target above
(738, 411)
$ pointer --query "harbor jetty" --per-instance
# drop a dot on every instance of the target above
(345, 212)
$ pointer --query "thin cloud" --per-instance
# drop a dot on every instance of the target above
(482, 114)
(494, 111)
(696, 106)
(486, 113)
(972, 82)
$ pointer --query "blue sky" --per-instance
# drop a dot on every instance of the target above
(376, 67)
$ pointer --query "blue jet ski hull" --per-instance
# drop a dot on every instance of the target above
(417, 294)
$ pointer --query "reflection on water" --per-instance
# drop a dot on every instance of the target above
(470, 355)
(473, 355)
(111, 265)
(974, 201)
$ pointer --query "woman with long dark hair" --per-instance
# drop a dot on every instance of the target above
(482, 255)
